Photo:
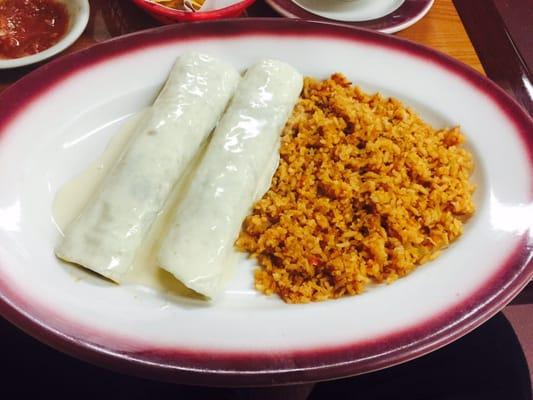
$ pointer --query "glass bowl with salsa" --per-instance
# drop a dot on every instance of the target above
(34, 30)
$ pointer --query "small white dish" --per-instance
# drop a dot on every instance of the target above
(78, 17)
(350, 11)
(386, 16)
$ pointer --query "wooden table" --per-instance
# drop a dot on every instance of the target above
(442, 29)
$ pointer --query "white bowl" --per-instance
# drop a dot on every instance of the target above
(78, 17)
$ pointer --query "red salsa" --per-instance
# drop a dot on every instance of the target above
(30, 26)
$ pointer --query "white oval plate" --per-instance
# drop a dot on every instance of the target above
(55, 121)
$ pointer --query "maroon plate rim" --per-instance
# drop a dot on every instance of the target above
(404, 16)
(259, 369)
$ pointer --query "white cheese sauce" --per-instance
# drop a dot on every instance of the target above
(72, 197)
(161, 198)
(241, 156)
(106, 236)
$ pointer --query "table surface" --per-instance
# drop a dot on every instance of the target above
(442, 29)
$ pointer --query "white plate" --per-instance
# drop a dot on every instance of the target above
(387, 16)
(59, 118)
(350, 10)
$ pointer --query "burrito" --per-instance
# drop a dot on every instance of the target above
(108, 233)
(243, 150)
